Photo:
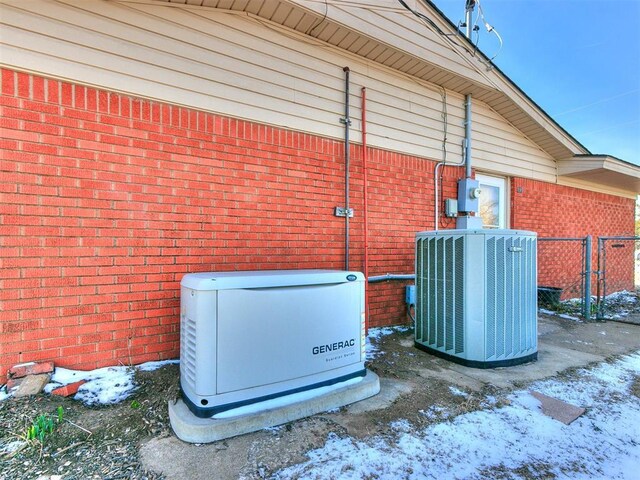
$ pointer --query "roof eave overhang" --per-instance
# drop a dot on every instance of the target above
(603, 170)
(337, 24)
(503, 95)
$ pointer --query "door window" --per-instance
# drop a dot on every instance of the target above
(493, 207)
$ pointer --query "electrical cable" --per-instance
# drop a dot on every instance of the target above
(438, 181)
(456, 45)
(419, 15)
(377, 7)
(326, 12)
(445, 120)
(475, 29)
(445, 117)
(490, 29)
(413, 318)
(422, 17)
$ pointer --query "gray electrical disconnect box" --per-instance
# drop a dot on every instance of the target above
(451, 207)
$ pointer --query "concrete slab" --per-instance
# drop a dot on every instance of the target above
(176, 460)
(551, 360)
(562, 344)
(390, 390)
(461, 379)
(557, 409)
(192, 429)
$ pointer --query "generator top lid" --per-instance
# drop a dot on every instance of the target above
(492, 232)
(266, 279)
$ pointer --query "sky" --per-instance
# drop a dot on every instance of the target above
(579, 60)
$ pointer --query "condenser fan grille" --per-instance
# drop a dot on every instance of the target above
(476, 295)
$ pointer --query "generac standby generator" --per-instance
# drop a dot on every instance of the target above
(251, 336)
(476, 296)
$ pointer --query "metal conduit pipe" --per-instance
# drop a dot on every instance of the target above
(390, 276)
(347, 124)
(467, 135)
(436, 185)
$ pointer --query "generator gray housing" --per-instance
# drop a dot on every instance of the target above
(476, 298)
(251, 336)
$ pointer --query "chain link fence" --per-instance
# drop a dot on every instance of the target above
(562, 281)
(567, 283)
(618, 279)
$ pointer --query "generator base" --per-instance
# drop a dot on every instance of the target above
(478, 363)
(208, 412)
(193, 429)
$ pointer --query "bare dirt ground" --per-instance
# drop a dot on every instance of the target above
(104, 441)
(133, 439)
(90, 442)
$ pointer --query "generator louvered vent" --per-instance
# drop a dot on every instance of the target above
(188, 350)
(476, 296)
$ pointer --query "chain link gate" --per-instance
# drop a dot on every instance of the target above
(618, 278)
(564, 275)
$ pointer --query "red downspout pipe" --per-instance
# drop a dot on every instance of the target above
(365, 195)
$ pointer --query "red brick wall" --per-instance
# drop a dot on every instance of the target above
(106, 201)
(559, 211)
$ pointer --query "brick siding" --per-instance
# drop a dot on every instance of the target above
(560, 211)
(106, 201)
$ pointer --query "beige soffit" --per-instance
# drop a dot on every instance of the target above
(603, 170)
(384, 32)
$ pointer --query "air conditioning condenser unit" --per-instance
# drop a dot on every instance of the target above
(476, 296)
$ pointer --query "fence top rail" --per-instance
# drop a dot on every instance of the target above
(602, 239)
(562, 239)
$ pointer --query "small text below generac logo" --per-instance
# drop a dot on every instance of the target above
(332, 347)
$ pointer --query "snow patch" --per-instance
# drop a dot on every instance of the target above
(379, 332)
(103, 386)
(623, 296)
(273, 430)
(457, 392)
(600, 444)
(374, 335)
(372, 351)
(10, 447)
(435, 412)
(4, 394)
(151, 366)
(401, 425)
(569, 317)
(489, 401)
